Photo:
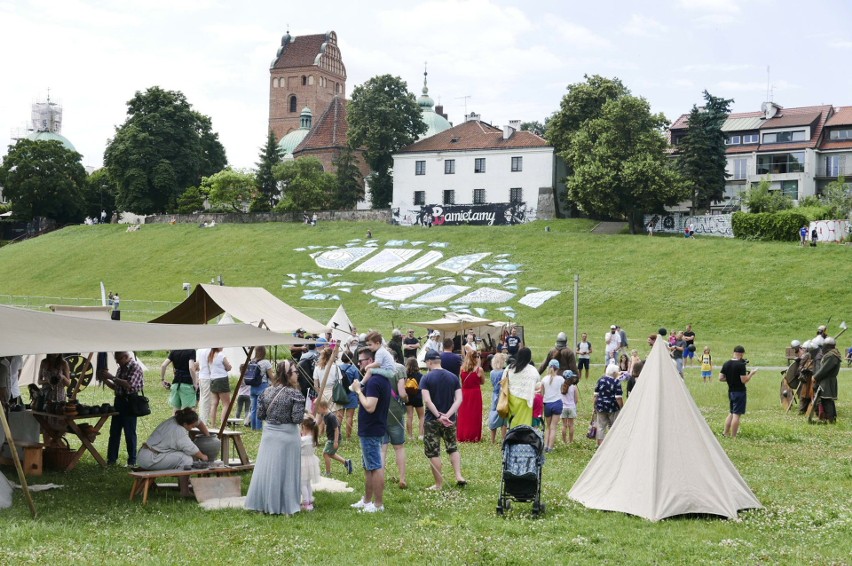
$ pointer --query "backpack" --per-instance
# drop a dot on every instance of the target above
(253, 375)
(306, 376)
(412, 387)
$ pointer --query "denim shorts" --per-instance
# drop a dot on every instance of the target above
(569, 412)
(371, 453)
(554, 408)
(395, 435)
(738, 402)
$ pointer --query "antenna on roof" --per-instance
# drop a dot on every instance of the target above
(466, 97)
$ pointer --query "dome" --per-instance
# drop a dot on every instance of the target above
(435, 123)
(50, 136)
(292, 140)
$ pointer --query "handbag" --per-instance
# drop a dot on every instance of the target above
(339, 394)
(593, 428)
(138, 405)
(503, 401)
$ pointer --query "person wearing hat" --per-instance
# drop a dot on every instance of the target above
(805, 375)
(410, 345)
(442, 397)
(608, 401)
(825, 379)
(562, 354)
(735, 374)
(434, 342)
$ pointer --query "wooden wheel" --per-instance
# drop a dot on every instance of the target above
(76, 363)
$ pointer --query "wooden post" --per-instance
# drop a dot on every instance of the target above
(21, 477)
(227, 414)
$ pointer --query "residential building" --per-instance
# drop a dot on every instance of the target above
(473, 173)
(798, 150)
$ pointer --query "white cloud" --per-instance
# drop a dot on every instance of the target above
(711, 6)
(642, 26)
(576, 36)
(841, 44)
(716, 67)
(755, 86)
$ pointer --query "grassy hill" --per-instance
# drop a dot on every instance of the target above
(759, 294)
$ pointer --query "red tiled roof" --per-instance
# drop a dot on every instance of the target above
(329, 131)
(790, 117)
(839, 144)
(300, 51)
(741, 148)
(475, 134)
(841, 117)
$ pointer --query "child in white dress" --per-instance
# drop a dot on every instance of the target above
(310, 462)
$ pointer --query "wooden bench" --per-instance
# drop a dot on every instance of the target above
(33, 462)
(144, 479)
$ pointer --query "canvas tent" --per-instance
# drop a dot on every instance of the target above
(246, 304)
(457, 324)
(342, 329)
(31, 332)
(660, 459)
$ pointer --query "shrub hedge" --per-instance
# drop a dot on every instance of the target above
(780, 226)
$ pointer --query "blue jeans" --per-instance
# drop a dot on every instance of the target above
(122, 422)
(256, 391)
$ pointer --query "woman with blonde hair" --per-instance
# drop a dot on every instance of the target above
(325, 359)
(220, 384)
(470, 412)
(495, 421)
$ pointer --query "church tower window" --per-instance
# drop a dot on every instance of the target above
(293, 103)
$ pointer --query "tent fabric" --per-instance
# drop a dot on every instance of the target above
(247, 304)
(342, 329)
(660, 459)
(31, 332)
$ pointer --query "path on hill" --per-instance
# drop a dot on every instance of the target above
(609, 227)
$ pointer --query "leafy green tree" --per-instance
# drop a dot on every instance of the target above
(43, 178)
(760, 199)
(837, 197)
(192, 200)
(383, 117)
(350, 182)
(620, 166)
(99, 193)
(536, 127)
(306, 185)
(268, 192)
(701, 152)
(163, 147)
(584, 101)
(229, 190)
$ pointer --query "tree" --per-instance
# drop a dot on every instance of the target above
(536, 127)
(229, 189)
(760, 199)
(350, 182)
(837, 197)
(383, 118)
(268, 192)
(192, 200)
(163, 147)
(99, 193)
(620, 165)
(584, 101)
(43, 178)
(701, 152)
(306, 185)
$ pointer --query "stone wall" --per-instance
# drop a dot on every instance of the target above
(236, 218)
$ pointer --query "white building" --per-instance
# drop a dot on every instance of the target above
(473, 173)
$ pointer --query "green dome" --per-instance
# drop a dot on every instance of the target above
(50, 136)
(292, 140)
(435, 123)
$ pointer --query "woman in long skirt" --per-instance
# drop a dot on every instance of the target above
(276, 481)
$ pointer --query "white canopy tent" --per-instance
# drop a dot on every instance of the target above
(660, 459)
(342, 329)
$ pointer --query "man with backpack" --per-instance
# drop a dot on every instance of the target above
(561, 353)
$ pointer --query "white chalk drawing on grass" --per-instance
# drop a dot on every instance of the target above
(460, 263)
(396, 243)
(421, 262)
(490, 281)
(535, 300)
(442, 294)
(486, 295)
(439, 245)
(342, 258)
(386, 260)
(401, 292)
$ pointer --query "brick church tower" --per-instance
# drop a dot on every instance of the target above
(307, 71)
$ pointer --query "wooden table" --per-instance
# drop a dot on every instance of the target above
(52, 436)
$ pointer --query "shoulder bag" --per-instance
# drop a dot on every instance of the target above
(503, 401)
(138, 405)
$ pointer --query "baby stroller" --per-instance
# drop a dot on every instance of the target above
(523, 458)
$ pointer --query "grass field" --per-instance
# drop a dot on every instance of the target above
(758, 294)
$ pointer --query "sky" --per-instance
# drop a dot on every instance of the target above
(502, 59)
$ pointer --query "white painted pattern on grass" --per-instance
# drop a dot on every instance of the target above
(535, 300)
(421, 262)
(486, 295)
(401, 292)
(442, 294)
(386, 260)
(460, 263)
(341, 258)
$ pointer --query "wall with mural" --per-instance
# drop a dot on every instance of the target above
(702, 225)
(831, 230)
(494, 214)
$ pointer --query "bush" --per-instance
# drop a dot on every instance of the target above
(780, 226)
(815, 212)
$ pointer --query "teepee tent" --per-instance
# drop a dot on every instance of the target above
(660, 459)
(342, 329)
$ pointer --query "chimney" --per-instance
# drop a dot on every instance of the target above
(516, 124)
(473, 116)
(439, 110)
(507, 132)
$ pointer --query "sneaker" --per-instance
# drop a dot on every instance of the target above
(359, 505)
(371, 508)
(309, 507)
(348, 464)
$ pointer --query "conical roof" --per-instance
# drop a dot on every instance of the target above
(660, 459)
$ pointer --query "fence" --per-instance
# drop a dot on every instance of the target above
(257, 217)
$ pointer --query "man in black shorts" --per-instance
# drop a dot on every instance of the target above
(584, 354)
(734, 373)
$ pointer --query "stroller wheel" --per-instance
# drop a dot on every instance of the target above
(499, 510)
(507, 504)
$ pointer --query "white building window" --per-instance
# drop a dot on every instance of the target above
(419, 198)
(517, 164)
(479, 165)
(834, 165)
(740, 167)
(784, 137)
(840, 134)
(449, 167)
(751, 138)
(516, 195)
(419, 167)
(733, 140)
(449, 197)
(478, 196)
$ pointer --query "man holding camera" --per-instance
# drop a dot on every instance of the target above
(734, 373)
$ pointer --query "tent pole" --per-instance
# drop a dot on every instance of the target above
(21, 477)
(237, 387)
(576, 305)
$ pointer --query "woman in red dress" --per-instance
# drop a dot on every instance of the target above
(470, 412)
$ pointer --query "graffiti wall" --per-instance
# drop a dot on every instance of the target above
(495, 214)
(702, 225)
(831, 230)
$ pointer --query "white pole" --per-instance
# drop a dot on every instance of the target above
(576, 305)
